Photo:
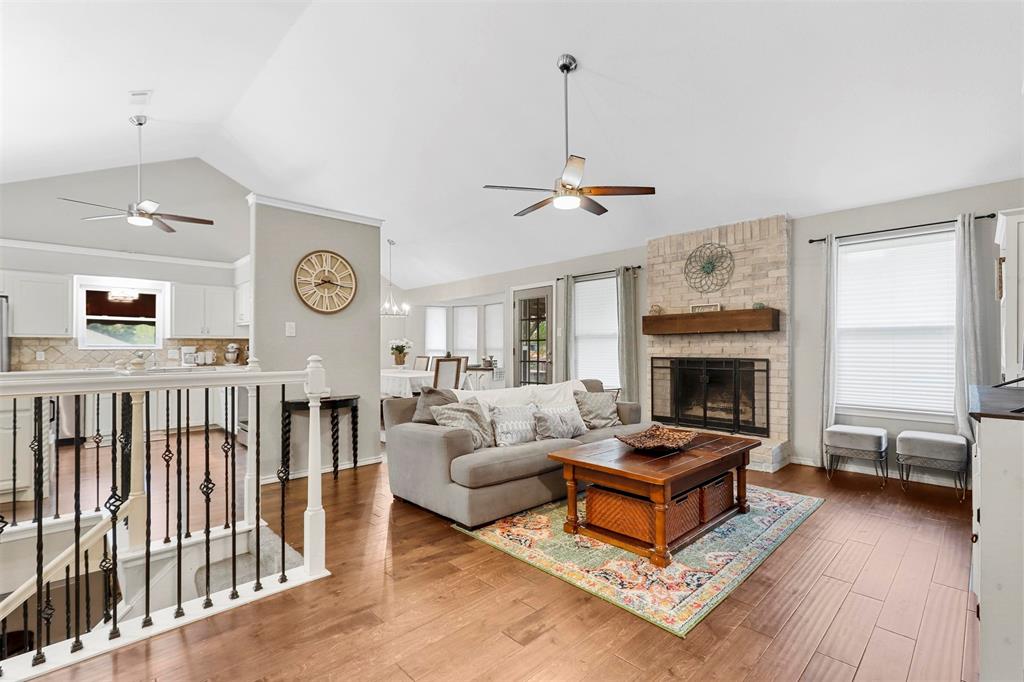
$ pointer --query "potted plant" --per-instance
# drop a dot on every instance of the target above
(399, 347)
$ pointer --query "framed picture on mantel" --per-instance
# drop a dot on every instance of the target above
(706, 308)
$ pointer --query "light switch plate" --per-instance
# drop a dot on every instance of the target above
(173, 354)
(40, 356)
(289, 329)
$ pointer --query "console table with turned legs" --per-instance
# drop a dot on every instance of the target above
(331, 404)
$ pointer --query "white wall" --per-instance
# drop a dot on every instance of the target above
(410, 327)
(348, 341)
(808, 285)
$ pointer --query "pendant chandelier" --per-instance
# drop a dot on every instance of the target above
(390, 307)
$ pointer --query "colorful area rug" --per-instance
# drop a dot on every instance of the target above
(675, 598)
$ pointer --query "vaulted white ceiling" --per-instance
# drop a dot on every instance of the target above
(404, 111)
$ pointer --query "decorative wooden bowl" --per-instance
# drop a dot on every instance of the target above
(659, 438)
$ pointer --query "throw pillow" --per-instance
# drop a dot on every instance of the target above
(558, 422)
(513, 424)
(597, 409)
(467, 415)
(431, 397)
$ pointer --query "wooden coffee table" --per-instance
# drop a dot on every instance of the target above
(614, 465)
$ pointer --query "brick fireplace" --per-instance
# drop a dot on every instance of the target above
(718, 367)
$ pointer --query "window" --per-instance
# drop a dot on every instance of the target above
(596, 331)
(116, 313)
(465, 333)
(494, 332)
(895, 308)
(435, 338)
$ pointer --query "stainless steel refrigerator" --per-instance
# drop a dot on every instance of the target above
(5, 335)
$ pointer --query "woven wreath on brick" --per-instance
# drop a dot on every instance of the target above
(658, 437)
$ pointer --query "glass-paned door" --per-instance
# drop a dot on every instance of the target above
(532, 320)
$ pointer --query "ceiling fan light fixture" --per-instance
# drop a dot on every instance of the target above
(140, 221)
(566, 202)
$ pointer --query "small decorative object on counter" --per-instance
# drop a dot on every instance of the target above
(759, 306)
(399, 348)
(231, 354)
(655, 310)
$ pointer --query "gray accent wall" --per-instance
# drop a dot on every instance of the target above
(347, 340)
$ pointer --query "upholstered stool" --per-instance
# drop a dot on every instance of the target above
(945, 451)
(857, 442)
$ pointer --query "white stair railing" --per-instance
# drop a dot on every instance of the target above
(139, 546)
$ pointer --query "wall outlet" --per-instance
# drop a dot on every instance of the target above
(40, 356)
(289, 329)
(173, 354)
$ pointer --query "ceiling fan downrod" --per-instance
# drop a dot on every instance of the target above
(138, 121)
(566, 64)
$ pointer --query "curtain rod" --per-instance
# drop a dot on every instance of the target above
(601, 272)
(905, 227)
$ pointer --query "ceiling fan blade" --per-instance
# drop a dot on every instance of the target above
(106, 217)
(518, 189)
(147, 206)
(540, 204)
(162, 225)
(181, 218)
(89, 203)
(615, 190)
(588, 204)
(572, 174)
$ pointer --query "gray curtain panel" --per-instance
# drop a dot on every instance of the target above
(967, 344)
(828, 379)
(565, 350)
(629, 380)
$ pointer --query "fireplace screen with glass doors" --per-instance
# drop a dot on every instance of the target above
(724, 394)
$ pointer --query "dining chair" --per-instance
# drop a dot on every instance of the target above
(421, 363)
(447, 372)
(433, 361)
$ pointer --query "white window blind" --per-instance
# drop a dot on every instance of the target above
(896, 302)
(596, 331)
(466, 333)
(494, 332)
(435, 341)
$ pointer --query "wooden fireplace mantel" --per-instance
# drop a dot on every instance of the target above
(714, 322)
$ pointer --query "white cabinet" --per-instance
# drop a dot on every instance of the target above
(40, 304)
(243, 303)
(199, 312)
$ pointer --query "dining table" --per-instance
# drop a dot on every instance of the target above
(403, 383)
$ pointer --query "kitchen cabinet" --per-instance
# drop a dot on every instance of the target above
(243, 303)
(201, 312)
(41, 304)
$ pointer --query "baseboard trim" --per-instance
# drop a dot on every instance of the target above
(916, 475)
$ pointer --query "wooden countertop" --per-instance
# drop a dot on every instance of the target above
(987, 402)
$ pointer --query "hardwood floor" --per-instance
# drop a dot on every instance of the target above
(872, 587)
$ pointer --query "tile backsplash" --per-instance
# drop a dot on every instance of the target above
(65, 354)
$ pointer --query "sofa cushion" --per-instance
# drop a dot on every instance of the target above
(431, 397)
(491, 466)
(856, 437)
(597, 409)
(513, 424)
(945, 446)
(558, 422)
(594, 435)
(470, 416)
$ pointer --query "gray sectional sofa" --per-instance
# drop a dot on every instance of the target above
(437, 468)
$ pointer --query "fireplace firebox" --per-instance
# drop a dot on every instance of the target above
(722, 394)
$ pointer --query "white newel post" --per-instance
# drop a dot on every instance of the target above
(137, 497)
(315, 531)
(251, 483)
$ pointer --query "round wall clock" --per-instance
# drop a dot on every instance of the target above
(325, 281)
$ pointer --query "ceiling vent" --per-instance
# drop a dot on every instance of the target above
(139, 98)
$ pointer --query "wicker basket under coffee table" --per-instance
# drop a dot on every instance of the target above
(653, 503)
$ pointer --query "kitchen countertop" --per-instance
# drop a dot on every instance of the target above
(987, 402)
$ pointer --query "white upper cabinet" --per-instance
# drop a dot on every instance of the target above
(202, 311)
(40, 304)
(243, 303)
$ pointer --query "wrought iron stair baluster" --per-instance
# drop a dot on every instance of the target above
(97, 438)
(234, 495)
(167, 456)
(178, 612)
(147, 620)
(206, 488)
(37, 458)
(225, 448)
(77, 643)
(282, 472)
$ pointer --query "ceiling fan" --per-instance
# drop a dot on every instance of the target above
(142, 212)
(568, 193)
